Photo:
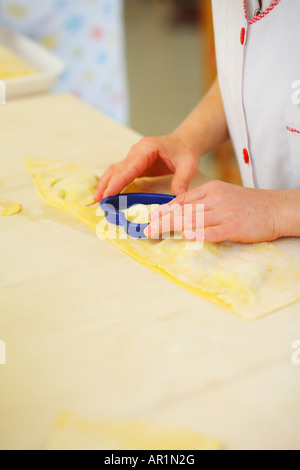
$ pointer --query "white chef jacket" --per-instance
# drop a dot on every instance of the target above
(252, 5)
(258, 63)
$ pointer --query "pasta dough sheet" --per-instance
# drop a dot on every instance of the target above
(11, 66)
(250, 280)
(74, 433)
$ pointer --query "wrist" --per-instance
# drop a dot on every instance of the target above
(287, 213)
(188, 138)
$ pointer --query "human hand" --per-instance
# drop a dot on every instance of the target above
(230, 213)
(152, 156)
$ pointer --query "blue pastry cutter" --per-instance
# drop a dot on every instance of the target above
(113, 205)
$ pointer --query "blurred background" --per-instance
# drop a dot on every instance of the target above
(164, 43)
(144, 63)
(170, 65)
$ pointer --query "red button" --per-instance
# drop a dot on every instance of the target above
(246, 156)
(243, 35)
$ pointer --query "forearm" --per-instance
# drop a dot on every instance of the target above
(205, 128)
(288, 215)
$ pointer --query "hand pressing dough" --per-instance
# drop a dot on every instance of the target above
(74, 433)
(250, 280)
(11, 210)
(11, 66)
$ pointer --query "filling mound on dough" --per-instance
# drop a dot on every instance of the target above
(79, 190)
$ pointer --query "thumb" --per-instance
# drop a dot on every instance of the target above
(185, 171)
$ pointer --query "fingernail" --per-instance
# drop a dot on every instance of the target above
(162, 210)
(189, 234)
(182, 190)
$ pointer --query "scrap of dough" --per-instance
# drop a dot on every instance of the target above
(11, 66)
(250, 280)
(71, 432)
(11, 210)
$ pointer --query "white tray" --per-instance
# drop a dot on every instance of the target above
(48, 66)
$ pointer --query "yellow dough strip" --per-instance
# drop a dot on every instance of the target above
(250, 280)
(89, 217)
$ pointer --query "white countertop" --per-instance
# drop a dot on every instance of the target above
(89, 330)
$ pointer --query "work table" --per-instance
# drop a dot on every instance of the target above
(91, 331)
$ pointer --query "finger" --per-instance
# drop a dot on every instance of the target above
(164, 209)
(195, 219)
(194, 229)
(120, 180)
(216, 234)
(195, 197)
(213, 218)
(194, 235)
(161, 166)
(166, 224)
(112, 171)
(182, 218)
(103, 182)
(134, 166)
(184, 173)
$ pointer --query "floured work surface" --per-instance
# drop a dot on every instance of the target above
(250, 280)
(72, 432)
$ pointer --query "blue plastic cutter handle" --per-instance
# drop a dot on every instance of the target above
(114, 204)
